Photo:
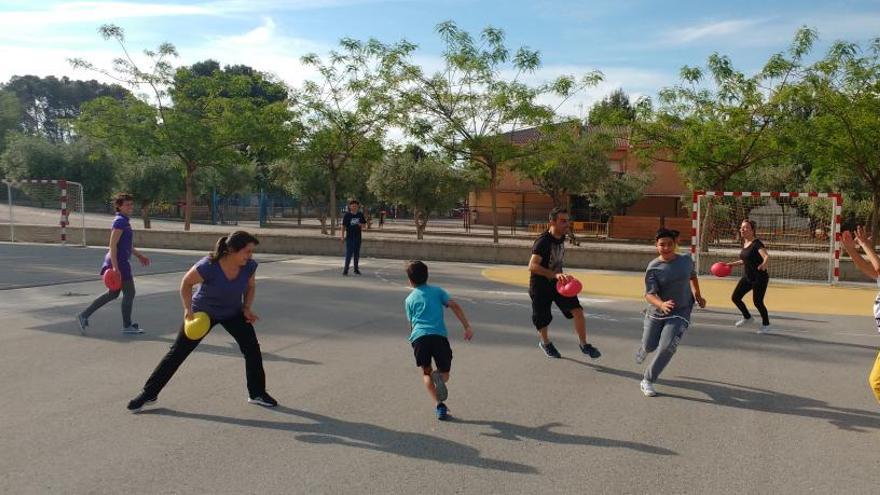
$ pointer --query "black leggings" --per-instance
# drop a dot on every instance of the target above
(758, 288)
(244, 335)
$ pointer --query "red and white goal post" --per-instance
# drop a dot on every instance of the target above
(33, 201)
(800, 229)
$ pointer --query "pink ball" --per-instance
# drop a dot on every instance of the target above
(720, 269)
(112, 279)
(570, 289)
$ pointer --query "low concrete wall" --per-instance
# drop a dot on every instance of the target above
(589, 256)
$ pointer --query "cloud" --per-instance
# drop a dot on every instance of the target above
(93, 12)
(710, 30)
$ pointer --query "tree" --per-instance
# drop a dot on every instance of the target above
(205, 120)
(471, 108)
(349, 109)
(34, 157)
(842, 90)
(619, 192)
(50, 104)
(306, 179)
(716, 133)
(614, 109)
(150, 179)
(567, 159)
(10, 115)
(425, 183)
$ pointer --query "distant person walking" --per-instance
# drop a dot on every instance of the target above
(352, 225)
(117, 258)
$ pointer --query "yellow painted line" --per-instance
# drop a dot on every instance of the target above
(787, 298)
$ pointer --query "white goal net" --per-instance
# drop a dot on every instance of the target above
(43, 210)
(801, 231)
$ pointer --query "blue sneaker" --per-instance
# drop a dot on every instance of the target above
(550, 350)
(442, 412)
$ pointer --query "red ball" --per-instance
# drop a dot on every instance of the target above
(112, 279)
(570, 289)
(720, 269)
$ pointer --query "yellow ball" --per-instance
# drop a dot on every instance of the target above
(198, 327)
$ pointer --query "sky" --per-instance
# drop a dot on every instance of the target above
(639, 45)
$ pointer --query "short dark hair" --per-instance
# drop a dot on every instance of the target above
(555, 212)
(120, 198)
(353, 202)
(664, 232)
(417, 272)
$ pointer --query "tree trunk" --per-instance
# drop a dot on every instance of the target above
(188, 184)
(333, 212)
(145, 213)
(493, 193)
(421, 222)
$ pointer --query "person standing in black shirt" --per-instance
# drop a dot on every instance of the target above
(545, 266)
(352, 224)
(754, 258)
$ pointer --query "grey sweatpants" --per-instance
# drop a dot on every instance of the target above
(127, 302)
(663, 336)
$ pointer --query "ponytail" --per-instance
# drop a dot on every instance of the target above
(220, 249)
(236, 241)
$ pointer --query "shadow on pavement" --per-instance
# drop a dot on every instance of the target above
(320, 429)
(757, 399)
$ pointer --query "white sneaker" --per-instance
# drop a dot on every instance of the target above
(764, 329)
(132, 329)
(648, 388)
(743, 321)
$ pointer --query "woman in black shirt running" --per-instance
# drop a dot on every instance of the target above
(753, 257)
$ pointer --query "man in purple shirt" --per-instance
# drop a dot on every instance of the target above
(117, 258)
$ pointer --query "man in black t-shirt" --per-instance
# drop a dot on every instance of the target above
(352, 223)
(545, 266)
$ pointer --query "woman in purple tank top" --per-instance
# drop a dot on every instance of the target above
(117, 258)
(227, 284)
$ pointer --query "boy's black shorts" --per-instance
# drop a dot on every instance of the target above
(436, 347)
(543, 296)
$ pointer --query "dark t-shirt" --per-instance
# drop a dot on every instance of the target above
(552, 252)
(751, 258)
(352, 224)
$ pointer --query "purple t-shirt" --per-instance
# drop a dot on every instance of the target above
(123, 248)
(218, 296)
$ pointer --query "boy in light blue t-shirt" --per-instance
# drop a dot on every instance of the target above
(424, 310)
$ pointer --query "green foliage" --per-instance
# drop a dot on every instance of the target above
(347, 112)
(33, 157)
(48, 105)
(471, 107)
(619, 192)
(614, 109)
(567, 159)
(425, 183)
(10, 116)
(716, 132)
(151, 180)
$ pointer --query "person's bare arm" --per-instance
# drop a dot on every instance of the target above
(190, 280)
(536, 268)
(665, 307)
(766, 256)
(115, 235)
(459, 313)
(695, 287)
(249, 294)
(849, 244)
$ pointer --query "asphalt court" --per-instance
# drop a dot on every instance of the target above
(737, 412)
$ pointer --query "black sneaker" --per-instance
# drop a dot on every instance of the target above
(136, 404)
(442, 412)
(264, 400)
(550, 350)
(83, 323)
(344, 273)
(591, 351)
(357, 272)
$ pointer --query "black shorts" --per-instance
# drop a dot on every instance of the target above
(436, 347)
(543, 296)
